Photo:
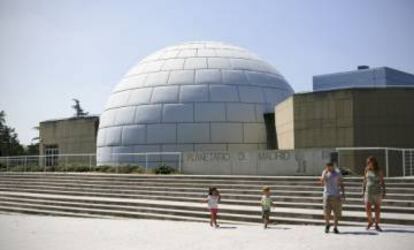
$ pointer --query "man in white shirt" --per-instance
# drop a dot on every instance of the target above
(332, 198)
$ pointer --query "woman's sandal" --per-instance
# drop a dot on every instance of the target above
(377, 227)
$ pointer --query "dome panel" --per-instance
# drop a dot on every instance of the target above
(174, 63)
(125, 115)
(218, 63)
(195, 63)
(165, 94)
(135, 134)
(194, 93)
(206, 52)
(145, 114)
(208, 76)
(234, 76)
(223, 93)
(139, 96)
(181, 77)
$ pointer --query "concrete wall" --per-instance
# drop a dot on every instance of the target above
(281, 162)
(72, 136)
(284, 124)
(315, 120)
(384, 117)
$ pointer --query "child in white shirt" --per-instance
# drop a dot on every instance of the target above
(213, 200)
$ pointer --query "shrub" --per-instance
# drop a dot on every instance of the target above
(35, 168)
(130, 169)
(123, 169)
(75, 168)
(17, 168)
(78, 167)
(164, 169)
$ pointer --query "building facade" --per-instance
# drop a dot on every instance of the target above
(75, 135)
(368, 117)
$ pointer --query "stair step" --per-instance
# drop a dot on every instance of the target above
(198, 183)
(317, 206)
(179, 176)
(12, 210)
(408, 192)
(253, 195)
(183, 208)
(180, 197)
(346, 207)
(169, 214)
(198, 197)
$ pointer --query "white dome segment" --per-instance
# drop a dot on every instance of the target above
(197, 96)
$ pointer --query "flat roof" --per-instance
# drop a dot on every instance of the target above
(87, 117)
(381, 88)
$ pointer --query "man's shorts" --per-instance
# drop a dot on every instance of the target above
(265, 214)
(332, 203)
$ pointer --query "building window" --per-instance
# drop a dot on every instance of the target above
(51, 152)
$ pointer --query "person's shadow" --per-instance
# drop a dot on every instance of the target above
(391, 230)
(405, 231)
(226, 227)
(278, 228)
(359, 233)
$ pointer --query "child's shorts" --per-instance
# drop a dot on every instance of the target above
(214, 210)
(265, 214)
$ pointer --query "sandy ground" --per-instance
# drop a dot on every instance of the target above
(60, 233)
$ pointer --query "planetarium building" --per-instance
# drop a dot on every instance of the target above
(195, 96)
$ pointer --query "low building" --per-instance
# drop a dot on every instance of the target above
(355, 117)
(75, 135)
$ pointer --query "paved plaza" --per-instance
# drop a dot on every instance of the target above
(47, 233)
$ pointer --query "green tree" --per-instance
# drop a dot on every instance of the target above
(32, 149)
(9, 143)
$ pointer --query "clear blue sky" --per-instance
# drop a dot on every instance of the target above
(52, 51)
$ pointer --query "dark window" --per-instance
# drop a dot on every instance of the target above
(270, 130)
(51, 154)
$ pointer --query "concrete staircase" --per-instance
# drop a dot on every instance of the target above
(180, 197)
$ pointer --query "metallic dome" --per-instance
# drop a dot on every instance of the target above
(196, 96)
